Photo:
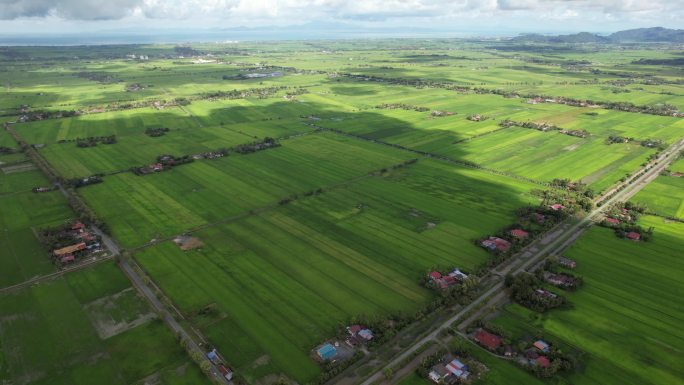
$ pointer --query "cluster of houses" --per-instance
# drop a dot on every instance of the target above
(444, 281)
(149, 169)
(476, 118)
(164, 162)
(577, 133)
(503, 245)
(210, 155)
(84, 243)
(496, 244)
(439, 114)
(454, 371)
(214, 357)
(133, 56)
(535, 355)
(357, 336)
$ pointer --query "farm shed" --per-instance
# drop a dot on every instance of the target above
(69, 249)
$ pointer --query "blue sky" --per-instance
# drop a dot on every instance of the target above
(466, 17)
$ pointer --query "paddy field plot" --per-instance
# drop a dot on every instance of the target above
(47, 337)
(22, 214)
(664, 196)
(139, 208)
(303, 268)
(119, 123)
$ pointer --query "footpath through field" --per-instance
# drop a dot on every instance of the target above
(561, 239)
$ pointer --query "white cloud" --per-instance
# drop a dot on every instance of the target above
(422, 13)
(68, 9)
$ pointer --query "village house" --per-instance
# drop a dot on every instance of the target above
(633, 235)
(495, 243)
(213, 356)
(225, 372)
(438, 374)
(541, 345)
(78, 226)
(539, 217)
(545, 293)
(458, 369)
(444, 281)
(559, 279)
(358, 335)
(519, 233)
(567, 262)
(326, 352)
(453, 371)
(612, 221)
(508, 351)
(487, 339)
(543, 362)
(557, 207)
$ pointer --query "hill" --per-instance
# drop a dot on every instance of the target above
(657, 34)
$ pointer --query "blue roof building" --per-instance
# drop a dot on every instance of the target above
(327, 352)
(213, 356)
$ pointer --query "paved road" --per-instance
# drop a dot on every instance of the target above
(559, 243)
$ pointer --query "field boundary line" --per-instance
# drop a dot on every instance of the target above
(443, 158)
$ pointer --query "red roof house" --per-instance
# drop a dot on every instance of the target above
(487, 339)
(633, 236)
(494, 243)
(77, 226)
(543, 362)
(557, 206)
(502, 244)
(613, 221)
(435, 275)
(519, 233)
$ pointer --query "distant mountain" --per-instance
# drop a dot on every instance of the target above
(657, 34)
(649, 34)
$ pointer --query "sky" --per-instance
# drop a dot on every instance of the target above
(461, 17)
